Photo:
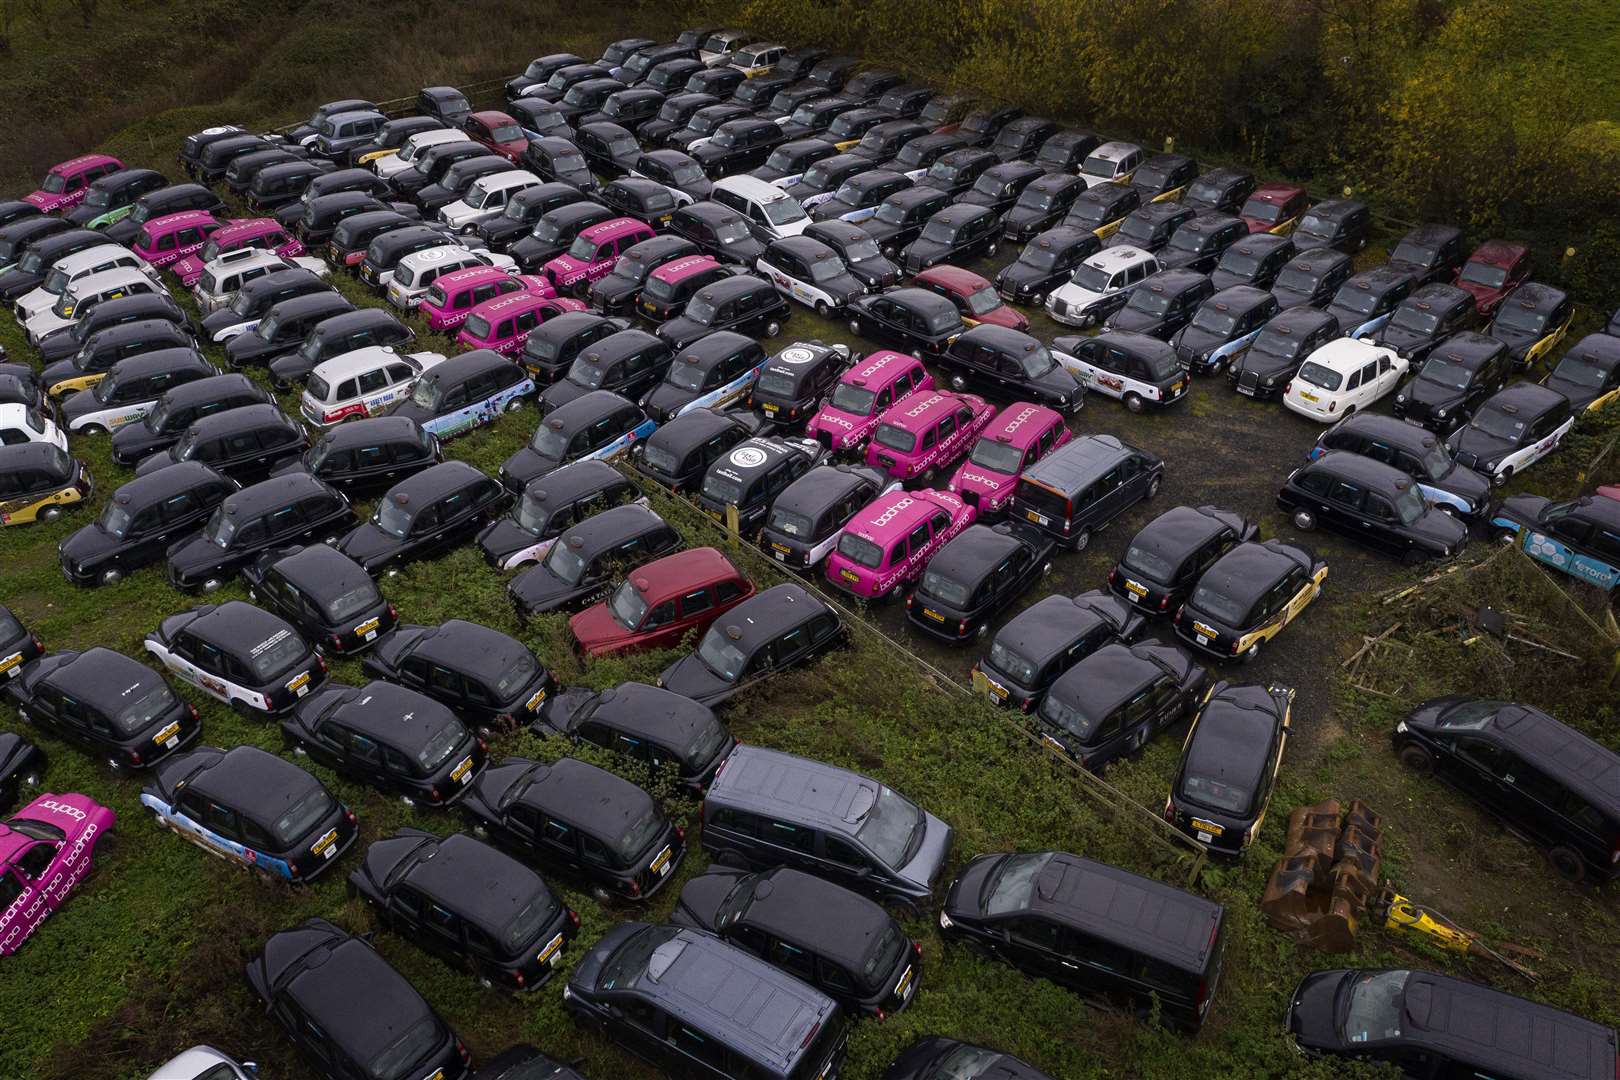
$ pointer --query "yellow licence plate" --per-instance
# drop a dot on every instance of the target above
(658, 863)
(1054, 744)
(1308, 396)
(552, 946)
(325, 842)
(10, 662)
(932, 614)
(1133, 587)
(298, 680)
(1207, 826)
(167, 733)
(770, 408)
(783, 549)
(1036, 518)
(462, 769)
(535, 700)
(368, 625)
(1207, 631)
(849, 575)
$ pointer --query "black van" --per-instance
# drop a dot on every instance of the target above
(1418, 453)
(107, 347)
(1047, 638)
(274, 513)
(276, 186)
(1545, 780)
(1094, 928)
(807, 517)
(679, 453)
(363, 455)
(113, 192)
(599, 424)
(1426, 1024)
(425, 515)
(284, 327)
(1083, 485)
(550, 504)
(355, 233)
(579, 568)
(245, 443)
(974, 575)
(160, 203)
(358, 329)
(1116, 699)
(838, 941)
(652, 990)
(255, 298)
(141, 520)
(551, 348)
(751, 474)
(240, 172)
(766, 808)
(319, 218)
(177, 409)
(629, 363)
(137, 307)
(1343, 224)
(1372, 503)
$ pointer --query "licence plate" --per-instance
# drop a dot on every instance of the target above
(1203, 632)
(1177, 388)
(1134, 589)
(169, 736)
(1207, 829)
(299, 682)
(778, 547)
(1204, 837)
(1246, 390)
(1308, 396)
(1054, 744)
(371, 635)
(904, 986)
(772, 409)
(534, 702)
(779, 556)
(661, 864)
(988, 686)
(1039, 519)
(552, 953)
(932, 614)
(368, 627)
(849, 575)
(648, 308)
(171, 742)
(326, 844)
(301, 691)
(12, 665)
(463, 772)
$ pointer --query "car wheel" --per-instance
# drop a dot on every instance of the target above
(31, 780)
(822, 309)
(773, 328)
(485, 982)
(480, 831)
(958, 383)
(855, 328)
(601, 895)
(211, 584)
(1252, 651)
(1413, 557)
(514, 405)
(1133, 402)
(94, 429)
(1038, 300)
(1153, 486)
(1304, 520)
(50, 513)
(990, 251)
(1567, 863)
(1501, 479)
(112, 576)
(299, 751)
(1417, 759)
(1079, 540)
(410, 803)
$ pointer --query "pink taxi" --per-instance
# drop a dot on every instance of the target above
(923, 434)
(886, 545)
(67, 182)
(1020, 435)
(166, 240)
(265, 234)
(45, 850)
(504, 323)
(453, 296)
(862, 395)
(594, 253)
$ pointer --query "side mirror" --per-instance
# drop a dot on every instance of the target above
(251, 1067)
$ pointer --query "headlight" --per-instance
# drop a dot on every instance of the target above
(1063, 399)
(1400, 728)
(1440, 414)
(1400, 399)
(945, 921)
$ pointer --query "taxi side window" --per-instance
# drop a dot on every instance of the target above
(36, 860)
(1348, 494)
(557, 832)
(919, 537)
(364, 750)
(594, 851)
(222, 820)
(789, 836)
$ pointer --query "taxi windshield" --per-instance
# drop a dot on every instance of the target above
(1209, 598)
(890, 825)
(1061, 714)
(425, 394)
(1503, 425)
(860, 551)
(1015, 665)
(517, 675)
(720, 655)
(1521, 317)
(437, 750)
(847, 397)
(352, 601)
(274, 657)
(1043, 259)
(531, 515)
(1320, 375)
(1262, 210)
(1579, 371)
(1419, 320)
(392, 519)
(627, 606)
(114, 521)
(985, 300)
(1214, 320)
(523, 929)
(565, 564)
(895, 437)
(302, 816)
(585, 374)
(1445, 372)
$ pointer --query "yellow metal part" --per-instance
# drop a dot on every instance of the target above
(1405, 915)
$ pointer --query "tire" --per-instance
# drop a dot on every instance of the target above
(1567, 863)
(1038, 300)
(1417, 759)
(1134, 403)
(958, 383)
(514, 405)
(822, 310)
(1153, 486)
(601, 895)
(1080, 540)
(1304, 520)
(855, 328)
(481, 832)
(50, 513)
(94, 429)
(990, 251)
(112, 576)
(773, 328)
(1252, 652)
(1413, 557)
(211, 585)
(115, 766)
(1501, 479)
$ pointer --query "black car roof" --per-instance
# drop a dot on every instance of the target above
(809, 248)
(611, 527)
(1049, 626)
(820, 794)
(819, 488)
(915, 195)
(926, 301)
(1469, 349)
(394, 715)
(319, 569)
(1208, 221)
(818, 351)
(586, 794)
(585, 410)
(1146, 916)
(279, 279)
(164, 482)
(309, 304)
(1336, 209)
(433, 482)
(359, 319)
(179, 358)
(1154, 211)
(839, 925)
(638, 186)
(874, 178)
(134, 331)
(372, 429)
(470, 647)
(974, 552)
(123, 178)
(667, 718)
(1534, 296)
(263, 414)
(1388, 429)
(1430, 234)
(959, 214)
(1000, 338)
(1530, 399)
(579, 478)
(1076, 464)
(1260, 244)
(587, 211)
(617, 346)
(465, 365)
(392, 1005)
(294, 167)
(1104, 680)
(569, 323)
(1602, 350)
(275, 492)
(1241, 298)
(253, 781)
(774, 450)
(709, 212)
(726, 288)
(1379, 279)
(1179, 531)
(1109, 195)
(107, 680)
(1250, 568)
(1300, 322)
(479, 882)
(1493, 1030)
(1232, 739)
(1174, 282)
(1063, 237)
(687, 430)
(31, 455)
(710, 349)
(767, 614)
(404, 236)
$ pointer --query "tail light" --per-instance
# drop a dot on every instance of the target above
(680, 833)
(635, 888)
(1288, 386)
(1025, 705)
(881, 1015)
(506, 719)
(483, 744)
(810, 1035)
(39, 645)
(319, 659)
(1169, 812)
(1333, 406)
(1203, 995)
(194, 714)
(393, 613)
(1164, 602)
(292, 869)
(916, 947)
(462, 1050)
(573, 917)
(337, 643)
(1235, 647)
(349, 814)
(517, 977)
(135, 757)
(433, 793)
(1113, 575)
(961, 627)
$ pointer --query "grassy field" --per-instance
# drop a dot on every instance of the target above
(147, 957)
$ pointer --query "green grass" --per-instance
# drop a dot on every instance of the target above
(1586, 35)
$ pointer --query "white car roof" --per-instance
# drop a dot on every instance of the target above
(1117, 258)
(191, 1064)
(1347, 354)
(434, 136)
(444, 253)
(243, 259)
(80, 261)
(509, 179)
(752, 188)
(1113, 151)
(356, 362)
(759, 47)
(11, 414)
(91, 284)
